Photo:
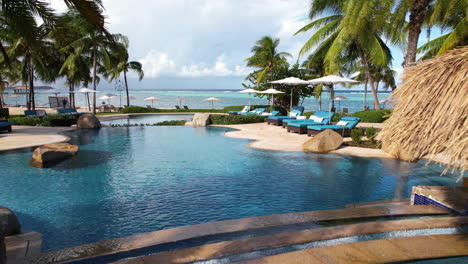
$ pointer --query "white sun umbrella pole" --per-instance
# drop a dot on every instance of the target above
(152, 99)
(291, 81)
(271, 92)
(212, 100)
(331, 80)
(249, 91)
(86, 92)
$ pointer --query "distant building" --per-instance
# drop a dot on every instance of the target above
(25, 89)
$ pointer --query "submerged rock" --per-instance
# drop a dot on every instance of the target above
(323, 142)
(50, 154)
(201, 120)
(9, 224)
(88, 121)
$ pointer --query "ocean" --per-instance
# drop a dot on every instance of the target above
(194, 99)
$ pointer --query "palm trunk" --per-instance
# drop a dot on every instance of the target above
(364, 106)
(31, 85)
(416, 19)
(126, 87)
(94, 80)
(320, 102)
(369, 78)
(332, 95)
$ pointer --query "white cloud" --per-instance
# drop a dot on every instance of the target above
(156, 63)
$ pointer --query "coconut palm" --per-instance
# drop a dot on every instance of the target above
(353, 31)
(266, 57)
(122, 65)
(447, 14)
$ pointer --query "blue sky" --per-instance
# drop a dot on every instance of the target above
(202, 44)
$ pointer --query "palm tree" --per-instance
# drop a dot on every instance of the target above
(122, 65)
(352, 32)
(447, 14)
(266, 57)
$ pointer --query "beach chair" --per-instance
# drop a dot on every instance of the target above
(186, 107)
(148, 106)
(35, 113)
(69, 111)
(257, 111)
(318, 118)
(345, 110)
(273, 113)
(343, 127)
(244, 110)
(5, 125)
(177, 107)
(278, 120)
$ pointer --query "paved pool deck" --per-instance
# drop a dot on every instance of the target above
(31, 136)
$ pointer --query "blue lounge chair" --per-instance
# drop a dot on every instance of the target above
(278, 120)
(35, 113)
(69, 111)
(344, 130)
(244, 110)
(273, 113)
(258, 111)
(323, 114)
(4, 125)
(300, 126)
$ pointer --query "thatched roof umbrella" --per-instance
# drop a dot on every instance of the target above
(431, 113)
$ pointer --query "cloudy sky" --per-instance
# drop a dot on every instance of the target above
(202, 44)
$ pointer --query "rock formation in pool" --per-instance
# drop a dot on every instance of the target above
(88, 121)
(50, 154)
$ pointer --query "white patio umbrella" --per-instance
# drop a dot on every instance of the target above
(340, 98)
(212, 100)
(331, 80)
(271, 92)
(86, 92)
(107, 97)
(152, 99)
(249, 91)
(291, 81)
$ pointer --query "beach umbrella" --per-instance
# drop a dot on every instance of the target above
(212, 100)
(107, 97)
(271, 92)
(331, 80)
(249, 91)
(293, 82)
(339, 98)
(86, 92)
(152, 99)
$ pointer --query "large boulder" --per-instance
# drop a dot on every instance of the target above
(88, 121)
(9, 224)
(201, 120)
(50, 154)
(323, 142)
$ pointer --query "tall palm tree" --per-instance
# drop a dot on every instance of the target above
(122, 65)
(354, 28)
(266, 57)
(447, 14)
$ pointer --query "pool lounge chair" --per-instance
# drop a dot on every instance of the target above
(69, 111)
(35, 113)
(278, 120)
(319, 118)
(186, 107)
(343, 127)
(318, 114)
(257, 111)
(244, 110)
(177, 107)
(273, 113)
(5, 125)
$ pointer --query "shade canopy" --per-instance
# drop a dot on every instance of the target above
(339, 98)
(85, 90)
(291, 81)
(152, 98)
(106, 97)
(271, 91)
(250, 90)
(212, 99)
(331, 79)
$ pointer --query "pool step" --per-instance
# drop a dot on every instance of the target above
(252, 250)
(381, 203)
(231, 230)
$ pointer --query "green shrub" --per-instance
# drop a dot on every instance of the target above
(233, 108)
(25, 120)
(137, 109)
(59, 120)
(236, 119)
(356, 134)
(371, 133)
(171, 123)
(373, 116)
(308, 114)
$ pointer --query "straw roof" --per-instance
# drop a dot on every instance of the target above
(430, 116)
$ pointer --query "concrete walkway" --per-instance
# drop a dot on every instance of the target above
(31, 136)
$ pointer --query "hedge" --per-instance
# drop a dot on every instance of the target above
(236, 119)
(373, 116)
(49, 120)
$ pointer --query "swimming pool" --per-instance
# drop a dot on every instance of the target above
(138, 179)
(148, 119)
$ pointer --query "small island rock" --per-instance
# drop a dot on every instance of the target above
(50, 154)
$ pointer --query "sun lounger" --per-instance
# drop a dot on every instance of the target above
(186, 107)
(5, 125)
(343, 127)
(69, 111)
(35, 113)
(318, 118)
(244, 110)
(257, 111)
(317, 114)
(177, 107)
(278, 120)
(273, 113)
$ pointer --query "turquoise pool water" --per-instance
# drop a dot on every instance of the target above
(147, 119)
(131, 180)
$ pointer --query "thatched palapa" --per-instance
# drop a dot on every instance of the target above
(430, 116)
